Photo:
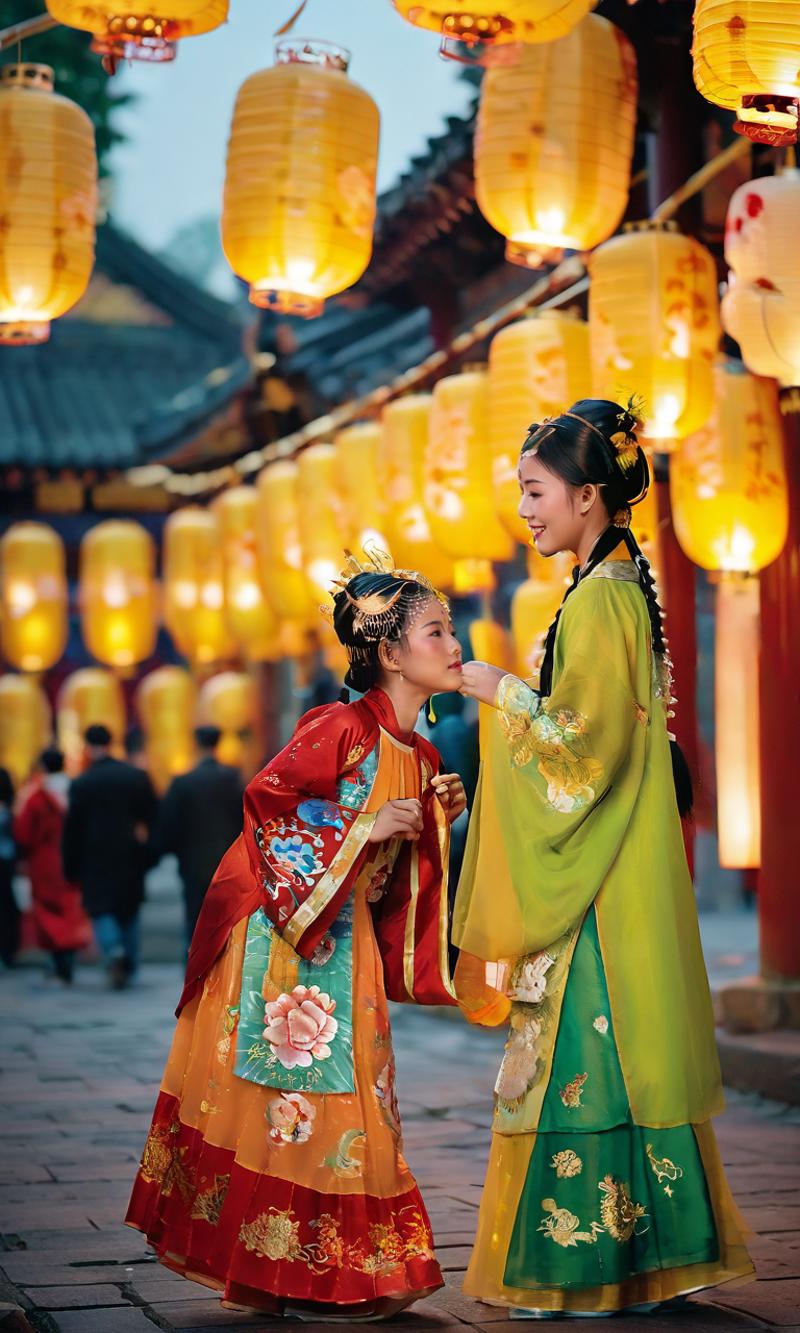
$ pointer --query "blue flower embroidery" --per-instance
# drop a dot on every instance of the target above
(320, 814)
(297, 856)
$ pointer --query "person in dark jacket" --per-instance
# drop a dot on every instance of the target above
(9, 911)
(201, 815)
(105, 848)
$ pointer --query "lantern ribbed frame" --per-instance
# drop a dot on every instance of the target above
(135, 29)
(537, 367)
(746, 56)
(761, 307)
(654, 328)
(48, 203)
(554, 142)
(299, 201)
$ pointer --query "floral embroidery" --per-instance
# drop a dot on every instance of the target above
(562, 1226)
(324, 951)
(341, 1161)
(618, 1212)
(664, 1169)
(600, 1024)
(206, 1108)
(291, 1118)
(567, 1164)
(300, 1026)
(355, 754)
(572, 1092)
(208, 1205)
(570, 772)
(642, 714)
(162, 1161)
(377, 885)
(321, 814)
(521, 1057)
(515, 705)
(295, 855)
(529, 981)
(387, 1096)
(271, 778)
(230, 1018)
(275, 1235)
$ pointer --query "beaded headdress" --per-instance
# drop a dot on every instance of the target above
(380, 615)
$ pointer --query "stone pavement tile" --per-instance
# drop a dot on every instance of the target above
(71, 1245)
(198, 1314)
(172, 1287)
(454, 1259)
(781, 1217)
(33, 1270)
(452, 1300)
(776, 1302)
(27, 1173)
(71, 1298)
(127, 1320)
(123, 1168)
(689, 1320)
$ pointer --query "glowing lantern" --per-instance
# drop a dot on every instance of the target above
(280, 556)
(322, 538)
(747, 58)
(300, 187)
(130, 30)
(166, 701)
(33, 596)
(533, 607)
(654, 328)
(536, 367)
(48, 201)
(194, 596)
(761, 308)
(404, 439)
(489, 23)
(362, 500)
(88, 696)
(24, 725)
(230, 701)
(730, 510)
(118, 593)
(459, 496)
(249, 615)
(554, 142)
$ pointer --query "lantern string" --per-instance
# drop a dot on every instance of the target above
(697, 182)
(290, 22)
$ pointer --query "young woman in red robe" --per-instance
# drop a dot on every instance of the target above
(274, 1169)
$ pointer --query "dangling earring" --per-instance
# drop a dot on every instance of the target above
(431, 713)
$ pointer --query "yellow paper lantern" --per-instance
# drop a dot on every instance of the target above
(730, 511)
(362, 499)
(230, 701)
(533, 606)
(33, 596)
(278, 525)
(761, 308)
(24, 725)
(299, 200)
(322, 538)
(747, 58)
(91, 695)
(117, 593)
(654, 328)
(459, 495)
(130, 30)
(554, 142)
(488, 23)
(194, 595)
(166, 700)
(404, 439)
(250, 618)
(728, 482)
(48, 202)
(537, 367)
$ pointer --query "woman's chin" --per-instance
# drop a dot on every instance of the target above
(452, 684)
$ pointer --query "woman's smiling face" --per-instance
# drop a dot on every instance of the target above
(548, 507)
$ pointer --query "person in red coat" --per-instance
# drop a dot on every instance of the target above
(62, 927)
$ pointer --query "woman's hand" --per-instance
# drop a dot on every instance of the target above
(451, 794)
(398, 819)
(480, 681)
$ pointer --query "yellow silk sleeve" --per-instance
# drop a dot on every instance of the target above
(559, 779)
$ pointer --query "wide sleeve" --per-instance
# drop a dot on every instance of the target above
(559, 782)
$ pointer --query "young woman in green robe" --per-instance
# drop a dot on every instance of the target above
(604, 1188)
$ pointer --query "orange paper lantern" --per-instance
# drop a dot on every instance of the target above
(48, 202)
(130, 30)
(357, 475)
(194, 596)
(24, 725)
(404, 439)
(747, 59)
(490, 23)
(33, 596)
(91, 695)
(118, 593)
(250, 618)
(278, 524)
(230, 701)
(166, 700)
(299, 200)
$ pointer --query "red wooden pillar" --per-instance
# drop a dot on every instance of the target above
(779, 878)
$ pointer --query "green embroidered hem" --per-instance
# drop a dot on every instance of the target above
(604, 1199)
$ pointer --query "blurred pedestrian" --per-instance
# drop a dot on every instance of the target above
(135, 751)
(9, 911)
(60, 923)
(106, 849)
(201, 815)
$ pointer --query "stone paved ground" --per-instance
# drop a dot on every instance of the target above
(79, 1076)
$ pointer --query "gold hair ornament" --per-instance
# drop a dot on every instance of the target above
(379, 615)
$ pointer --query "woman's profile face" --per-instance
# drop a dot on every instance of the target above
(547, 505)
(429, 654)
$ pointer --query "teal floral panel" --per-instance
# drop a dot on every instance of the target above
(354, 787)
(303, 1040)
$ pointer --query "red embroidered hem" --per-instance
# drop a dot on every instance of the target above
(263, 1242)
